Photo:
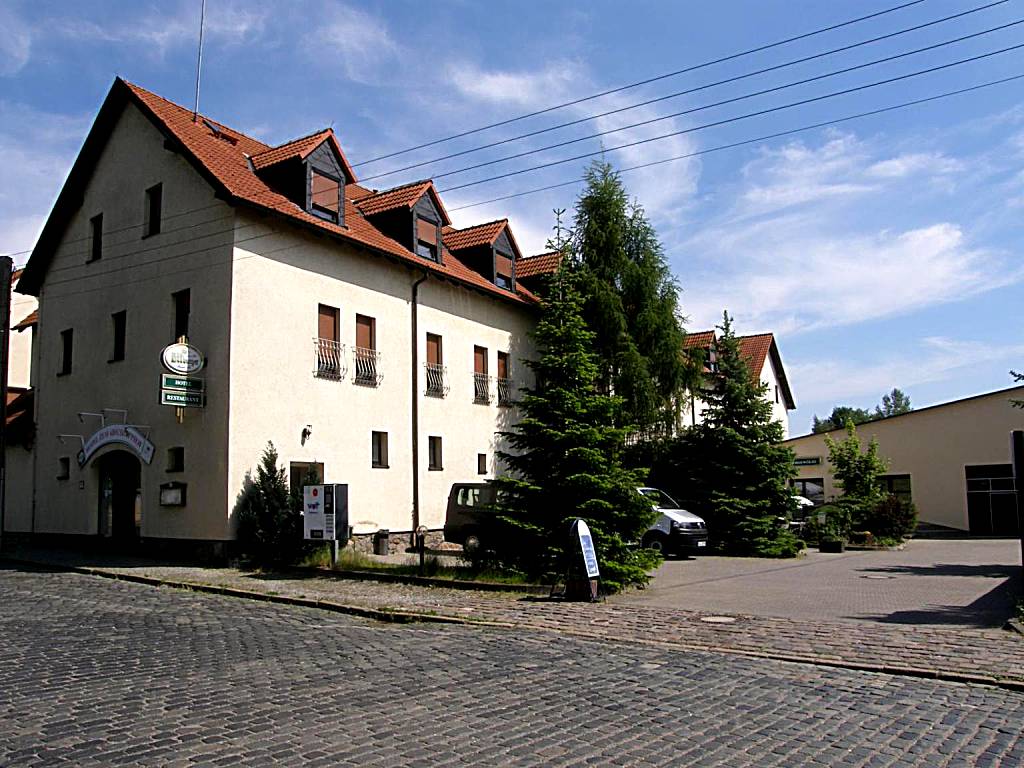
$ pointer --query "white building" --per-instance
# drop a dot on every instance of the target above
(355, 329)
(761, 354)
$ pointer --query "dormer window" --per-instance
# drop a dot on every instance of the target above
(324, 195)
(503, 271)
(426, 250)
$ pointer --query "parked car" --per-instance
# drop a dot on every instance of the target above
(676, 531)
(468, 519)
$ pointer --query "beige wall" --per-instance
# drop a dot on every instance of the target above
(19, 364)
(138, 275)
(932, 445)
(280, 277)
(693, 412)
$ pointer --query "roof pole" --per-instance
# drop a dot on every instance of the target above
(199, 62)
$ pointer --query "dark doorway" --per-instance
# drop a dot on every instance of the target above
(120, 512)
(991, 501)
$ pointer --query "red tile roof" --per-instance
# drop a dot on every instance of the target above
(28, 322)
(541, 264)
(226, 165)
(478, 234)
(301, 148)
(754, 349)
(699, 340)
(16, 274)
(405, 196)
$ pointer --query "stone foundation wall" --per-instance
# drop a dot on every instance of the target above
(398, 542)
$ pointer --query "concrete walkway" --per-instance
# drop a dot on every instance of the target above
(982, 655)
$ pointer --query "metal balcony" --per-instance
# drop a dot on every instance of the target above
(367, 367)
(504, 391)
(329, 359)
(481, 388)
(437, 380)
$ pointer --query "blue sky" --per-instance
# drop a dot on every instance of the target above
(882, 252)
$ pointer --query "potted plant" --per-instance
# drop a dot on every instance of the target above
(833, 528)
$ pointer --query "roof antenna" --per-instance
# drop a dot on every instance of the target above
(199, 63)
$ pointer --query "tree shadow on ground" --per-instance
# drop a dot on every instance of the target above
(990, 571)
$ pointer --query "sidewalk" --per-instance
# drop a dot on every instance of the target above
(990, 656)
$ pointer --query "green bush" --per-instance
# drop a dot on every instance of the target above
(269, 529)
(891, 517)
(829, 523)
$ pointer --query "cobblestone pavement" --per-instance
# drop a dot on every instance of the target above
(981, 654)
(969, 582)
(100, 672)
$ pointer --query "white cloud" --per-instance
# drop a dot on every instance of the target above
(357, 42)
(901, 166)
(15, 42)
(936, 359)
(529, 90)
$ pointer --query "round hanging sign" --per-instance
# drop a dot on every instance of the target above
(182, 358)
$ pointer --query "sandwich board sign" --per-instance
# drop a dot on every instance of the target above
(587, 548)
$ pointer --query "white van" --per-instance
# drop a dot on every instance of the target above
(676, 531)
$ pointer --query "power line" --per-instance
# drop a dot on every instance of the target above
(648, 102)
(723, 102)
(649, 80)
(735, 119)
(746, 142)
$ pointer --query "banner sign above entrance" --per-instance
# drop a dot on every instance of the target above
(123, 434)
(807, 461)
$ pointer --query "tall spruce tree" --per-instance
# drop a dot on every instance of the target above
(630, 303)
(565, 456)
(732, 469)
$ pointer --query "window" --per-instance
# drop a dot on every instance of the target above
(481, 463)
(434, 366)
(154, 202)
(379, 450)
(504, 380)
(426, 250)
(324, 195)
(176, 459)
(365, 353)
(991, 500)
(329, 361)
(67, 343)
(96, 234)
(435, 462)
(182, 310)
(503, 271)
(776, 393)
(810, 488)
(302, 473)
(63, 468)
(119, 320)
(481, 381)
(897, 485)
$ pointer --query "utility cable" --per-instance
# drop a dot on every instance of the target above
(726, 121)
(746, 142)
(649, 80)
(648, 102)
(733, 100)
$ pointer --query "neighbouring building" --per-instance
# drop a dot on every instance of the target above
(952, 460)
(761, 354)
(24, 315)
(371, 341)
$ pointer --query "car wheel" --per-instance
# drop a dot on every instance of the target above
(656, 542)
(471, 545)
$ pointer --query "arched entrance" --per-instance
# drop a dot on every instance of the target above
(120, 503)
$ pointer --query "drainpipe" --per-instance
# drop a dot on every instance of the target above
(415, 411)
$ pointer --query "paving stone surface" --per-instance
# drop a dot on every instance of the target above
(985, 652)
(100, 672)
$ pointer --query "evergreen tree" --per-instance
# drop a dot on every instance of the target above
(893, 404)
(268, 528)
(565, 457)
(732, 469)
(630, 303)
(840, 415)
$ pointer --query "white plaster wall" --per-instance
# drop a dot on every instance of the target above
(775, 395)
(18, 497)
(19, 364)
(932, 446)
(138, 275)
(281, 275)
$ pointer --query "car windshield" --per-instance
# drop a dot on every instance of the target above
(661, 499)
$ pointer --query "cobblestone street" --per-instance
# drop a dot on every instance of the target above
(99, 672)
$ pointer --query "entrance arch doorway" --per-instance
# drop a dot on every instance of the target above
(120, 504)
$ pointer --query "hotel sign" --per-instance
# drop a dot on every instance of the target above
(182, 358)
(807, 461)
(122, 434)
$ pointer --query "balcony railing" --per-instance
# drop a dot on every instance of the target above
(504, 391)
(481, 388)
(367, 367)
(437, 379)
(329, 359)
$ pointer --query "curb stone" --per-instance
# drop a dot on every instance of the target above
(396, 616)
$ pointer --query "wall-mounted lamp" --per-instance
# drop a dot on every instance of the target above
(307, 432)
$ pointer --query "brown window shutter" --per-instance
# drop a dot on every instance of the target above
(365, 332)
(426, 231)
(479, 359)
(328, 323)
(503, 265)
(433, 349)
(503, 365)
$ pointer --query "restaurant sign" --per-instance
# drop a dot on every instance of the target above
(182, 358)
(807, 461)
(122, 434)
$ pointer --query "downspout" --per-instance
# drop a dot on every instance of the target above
(415, 411)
